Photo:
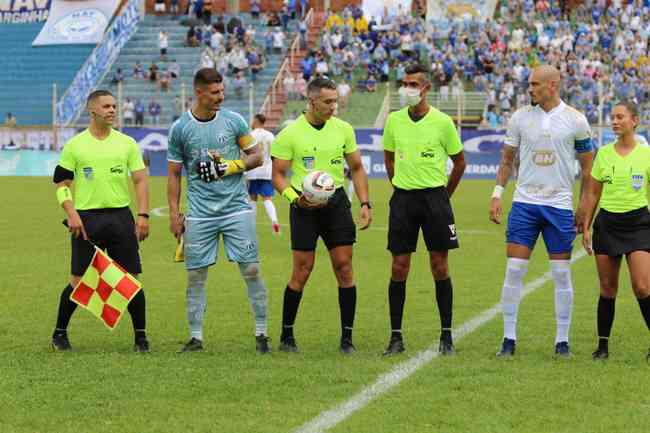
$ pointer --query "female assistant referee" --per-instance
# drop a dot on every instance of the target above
(618, 184)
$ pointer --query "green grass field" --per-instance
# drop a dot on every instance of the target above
(103, 387)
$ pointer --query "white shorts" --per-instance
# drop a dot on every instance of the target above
(159, 7)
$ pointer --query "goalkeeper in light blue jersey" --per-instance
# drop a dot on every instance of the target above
(214, 147)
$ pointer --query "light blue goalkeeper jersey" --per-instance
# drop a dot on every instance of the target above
(190, 140)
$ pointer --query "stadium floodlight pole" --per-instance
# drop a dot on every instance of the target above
(183, 100)
(119, 105)
(54, 134)
(251, 102)
(600, 114)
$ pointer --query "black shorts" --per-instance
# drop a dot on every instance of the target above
(333, 223)
(112, 230)
(428, 209)
(616, 234)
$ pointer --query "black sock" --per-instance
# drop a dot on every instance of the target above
(66, 308)
(347, 305)
(645, 309)
(396, 298)
(444, 298)
(138, 314)
(289, 311)
(606, 310)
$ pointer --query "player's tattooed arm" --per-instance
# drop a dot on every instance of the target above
(503, 174)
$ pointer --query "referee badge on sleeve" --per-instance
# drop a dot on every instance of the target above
(637, 181)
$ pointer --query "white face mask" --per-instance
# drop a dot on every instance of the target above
(413, 97)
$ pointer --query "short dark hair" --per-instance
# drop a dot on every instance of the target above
(319, 83)
(205, 76)
(416, 68)
(96, 94)
(631, 107)
(260, 118)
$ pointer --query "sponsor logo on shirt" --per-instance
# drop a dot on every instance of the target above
(88, 173)
(428, 154)
(335, 161)
(544, 158)
(118, 169)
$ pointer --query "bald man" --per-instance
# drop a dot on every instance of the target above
(547, 136)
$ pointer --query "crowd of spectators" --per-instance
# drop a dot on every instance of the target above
(600, 46)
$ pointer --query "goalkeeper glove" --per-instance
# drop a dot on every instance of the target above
(214, 169)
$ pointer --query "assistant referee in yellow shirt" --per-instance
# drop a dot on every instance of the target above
(418, 140)
(619, 185)
(98, 161)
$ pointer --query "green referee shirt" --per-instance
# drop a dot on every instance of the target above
(421, 148)
(311, 149)
(101, 168)
(624, 178)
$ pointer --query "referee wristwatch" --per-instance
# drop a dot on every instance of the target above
(366, 204)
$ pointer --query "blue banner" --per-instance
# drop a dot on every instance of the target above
(482, 153)
(98, 64)
(24, 11)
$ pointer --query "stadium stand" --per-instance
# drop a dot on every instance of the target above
(28, 73)
(601, 47)
(144, 48)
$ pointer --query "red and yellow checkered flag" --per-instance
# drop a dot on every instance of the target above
(105, 289)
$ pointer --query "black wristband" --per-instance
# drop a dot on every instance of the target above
(145, 215)
(366, 203)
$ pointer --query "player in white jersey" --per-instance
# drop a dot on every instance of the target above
(548, 136)
(259, 179)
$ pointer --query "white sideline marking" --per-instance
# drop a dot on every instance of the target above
(403, 370)
(163, 212)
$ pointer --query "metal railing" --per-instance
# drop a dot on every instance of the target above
(276, 86)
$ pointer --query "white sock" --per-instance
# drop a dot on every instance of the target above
(254, 207)
(561, 271)
(513, 283)
(270, 211)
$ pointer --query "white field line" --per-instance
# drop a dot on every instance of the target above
(329, 418)
(162, 212)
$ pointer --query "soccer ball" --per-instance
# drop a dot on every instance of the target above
(318, 187)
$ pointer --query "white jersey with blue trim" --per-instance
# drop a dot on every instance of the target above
(547, 144)
(263, 138)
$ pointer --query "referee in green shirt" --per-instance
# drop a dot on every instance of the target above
(98, 161)
(418, 140)
(319, 141)
(619, 185)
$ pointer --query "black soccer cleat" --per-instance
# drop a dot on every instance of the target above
(288, 344)
(60, 342)
(446, 348)
(395, 346)
(347, 348)
(141, 345)
(600, 354)
(562, 349)
(507, 348)
(194, 345)
(262, 344)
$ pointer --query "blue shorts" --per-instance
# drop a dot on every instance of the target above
(261, 187)
(526, 221)
(202, 240)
